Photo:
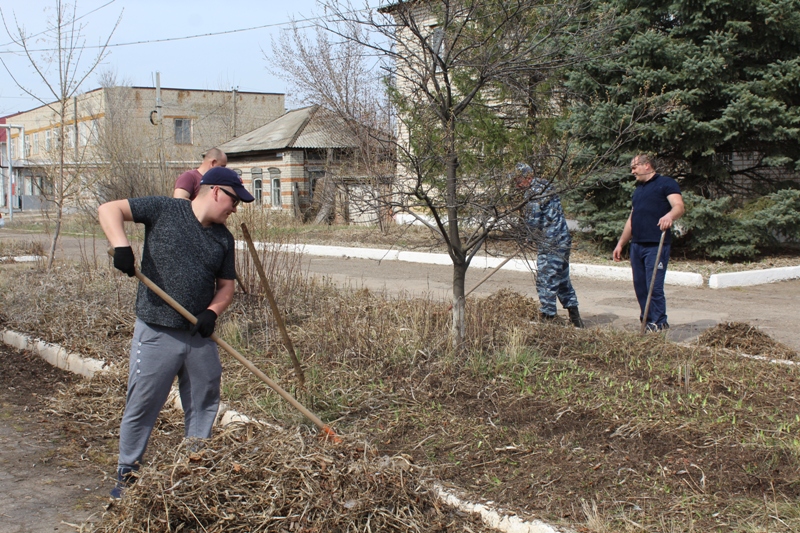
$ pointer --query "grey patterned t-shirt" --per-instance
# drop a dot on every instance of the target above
(180, 256)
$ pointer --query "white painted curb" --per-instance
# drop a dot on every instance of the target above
(71, 362)
(686, 279)
(509, 524)
(753, 277)
(54, 354)
(23, 258)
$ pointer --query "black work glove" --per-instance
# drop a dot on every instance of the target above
(205, 323)
(124, 260)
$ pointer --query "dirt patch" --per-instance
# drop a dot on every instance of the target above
(48, 477)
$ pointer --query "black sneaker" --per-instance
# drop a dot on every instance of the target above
(652, 327)
(126, 476)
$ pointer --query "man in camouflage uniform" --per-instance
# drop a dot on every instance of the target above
(547, 227)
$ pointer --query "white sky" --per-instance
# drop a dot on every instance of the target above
(211, 62)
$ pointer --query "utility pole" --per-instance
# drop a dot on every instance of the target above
(160, 119)
(234, 112)
(8, 128)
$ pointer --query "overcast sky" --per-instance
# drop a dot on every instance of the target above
(208, 62)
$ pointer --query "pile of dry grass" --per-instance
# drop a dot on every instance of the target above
(745, 338)
(252, 479)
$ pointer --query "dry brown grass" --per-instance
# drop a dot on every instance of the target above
(537, 417)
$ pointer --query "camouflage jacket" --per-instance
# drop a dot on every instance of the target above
(545, 217)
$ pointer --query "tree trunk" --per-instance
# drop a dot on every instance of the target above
(459, 307)
(52, 255)
(328, 200)
(456, 252)
(59, 186)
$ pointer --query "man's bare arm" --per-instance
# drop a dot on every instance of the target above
(113, 216)
(224, 295)
(182, 194)
(677, 211)
(624, 239)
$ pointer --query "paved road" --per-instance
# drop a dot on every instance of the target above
(772, 307)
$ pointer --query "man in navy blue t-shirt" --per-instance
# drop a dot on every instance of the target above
(657, 204)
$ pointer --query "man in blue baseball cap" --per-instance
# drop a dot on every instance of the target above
(222, 176)
(189, 253)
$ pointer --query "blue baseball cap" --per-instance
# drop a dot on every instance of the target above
(226, 176)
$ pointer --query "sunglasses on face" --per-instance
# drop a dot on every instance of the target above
(236, 199)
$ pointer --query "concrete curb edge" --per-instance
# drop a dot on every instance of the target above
(753, 277)
(686, 279)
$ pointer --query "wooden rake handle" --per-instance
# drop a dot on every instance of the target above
(276, 313)
(652, 282)
(324, 428)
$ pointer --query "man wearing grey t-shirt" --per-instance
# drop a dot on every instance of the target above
(189, 253)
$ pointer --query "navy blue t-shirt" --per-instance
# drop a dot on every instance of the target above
(649, 205)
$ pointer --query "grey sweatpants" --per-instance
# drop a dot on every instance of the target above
(158, 354)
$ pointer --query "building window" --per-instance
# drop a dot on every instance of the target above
(183, 131)
(84, 133)
(275, 193)
(94, 133)
(48, 135)
(257, 184)
(257, 191)
(27, 145)
(35, 143)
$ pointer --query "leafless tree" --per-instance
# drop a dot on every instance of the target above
(61, 66)
(126, 151)
(474, 88)
(339, 74)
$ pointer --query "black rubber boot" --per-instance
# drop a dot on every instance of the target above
(575, 317)
(545, 317)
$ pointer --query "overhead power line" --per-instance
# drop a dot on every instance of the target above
(183, 38)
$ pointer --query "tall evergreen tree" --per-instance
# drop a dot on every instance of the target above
(726, 76)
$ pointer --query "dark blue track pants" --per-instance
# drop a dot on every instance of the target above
(643, 261)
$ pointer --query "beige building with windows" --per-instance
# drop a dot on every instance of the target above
(305, 161)
(133, 132)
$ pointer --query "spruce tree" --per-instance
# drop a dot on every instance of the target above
(724, 76)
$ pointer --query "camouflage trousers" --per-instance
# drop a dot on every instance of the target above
(552, 280)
